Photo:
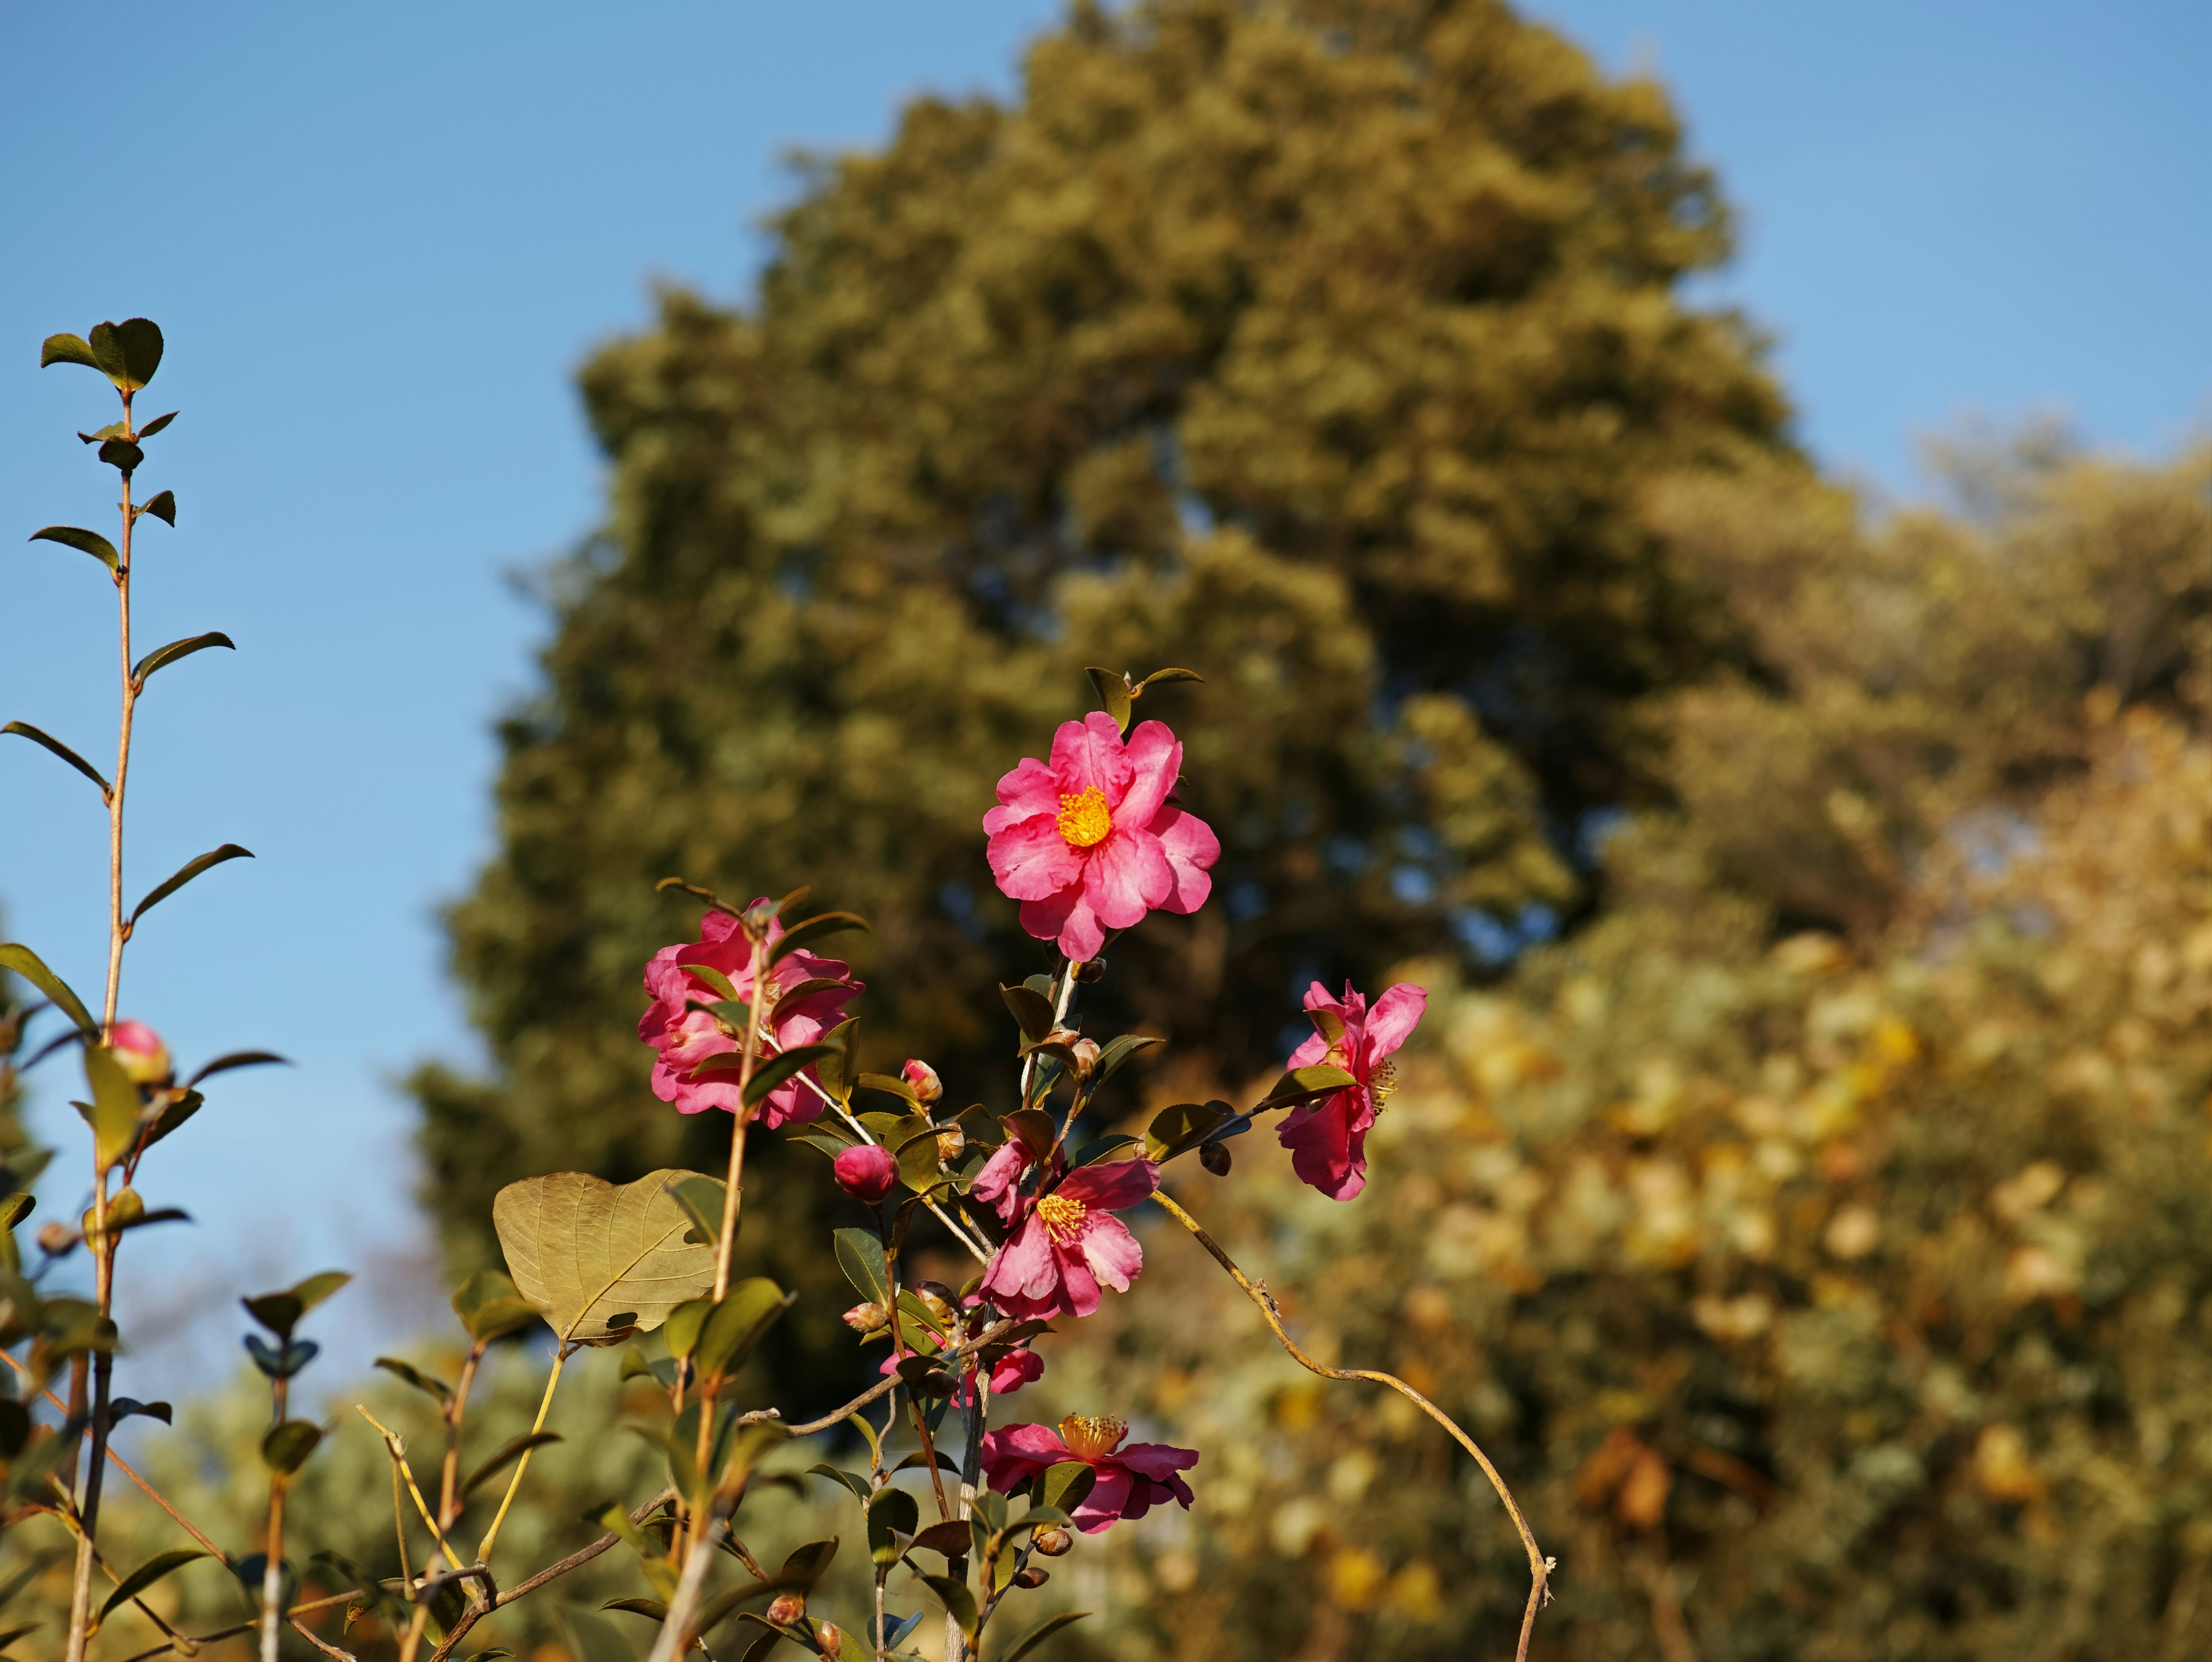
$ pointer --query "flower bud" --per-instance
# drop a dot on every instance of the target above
(868, 1319)
(1052, 1541)
(941, 1301)
(952, 1142)
(1031, 1577)
(142, 1053)
(1086, 1057)
(831, 1640)
(786, 1608)
(1091, 970)
(56, 1237)
(866, 1172)
(936, 1382)
(924, 1080)
(1214, 1157)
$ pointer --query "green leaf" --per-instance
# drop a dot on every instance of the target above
(1116, 1052)
(860, 1255)
(122, 454)
(160, 1564)
(162, 657)
(1035, 1128)
(1161, 677)
(1300, 1085)
(280, 1312)
(223, 1064)
(426, 1384)
(25, 730)
(90, 542)
(892, 1086)
(892, 1516)
(490, 1307)
(1032, 1011)
(128, 353)
(114, 429)
(598, 1260)
(959, 1602)
(287, 1446)
(124, 1408)
(813, 928)
(116, 1105)
(1181, 1126)
(509, 1452)
(185, 874)
(67, 348)
(700, 1196)
(147, 432)
(955, 1539)
(652, 1608)
(28, 964)
(737, 1323)
(163, 504)
(1113, 695)
(1043, 1630)
(713, 979)
(803, 1570)
(775, 1070)
(851, 1479)
(1064, 1483)
(319, 1286)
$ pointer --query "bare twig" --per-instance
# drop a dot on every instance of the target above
(326, 1648)
(575, 1560)
(1539, 1567)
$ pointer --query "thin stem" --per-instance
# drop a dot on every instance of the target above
(837, 1417)
(582, 1555)
(1539, 1567)
(545, 1403)
(272, 1576)
(974, 1247)
(748, 1059)
(1059, 1014)
(397, 1450)
(450, 1474)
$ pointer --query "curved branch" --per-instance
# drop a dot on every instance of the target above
(1539, 1567)
(582, 1555)
(838, 1415)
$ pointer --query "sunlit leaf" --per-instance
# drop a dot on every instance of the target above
(162, 657)
(90, 542)
(116, 1105)
(67, 348)
(809, 930)
(127, 353)
(597, 1259)
(860, 1255)
(491, 1305)
(163, 504)
(1113, 694)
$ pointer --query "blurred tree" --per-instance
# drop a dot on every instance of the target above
(1332, 349)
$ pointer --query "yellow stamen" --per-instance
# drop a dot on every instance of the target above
(1084, 818)
(1381, 1082)
(1093, 1436)
(1063, 1217)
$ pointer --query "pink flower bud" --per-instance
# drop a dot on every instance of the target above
(787, 1608)
(868, 1319)
(1086, 1057)
(142, 1053)
(923, 1078)
(866, 1172)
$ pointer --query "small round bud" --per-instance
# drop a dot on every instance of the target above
(142, 1053)
(937, 1382)
(924, 1080)
(1052, 1542)
(1091, 970)
(56, 1237)
(865, 1172)
(1214, 1157)
(951, 1143)
(831, 1640)
(1086, 1057)
(868, 1319)
(786, 1608)
(1031, 1577)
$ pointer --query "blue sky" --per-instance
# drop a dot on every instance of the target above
(382, 239)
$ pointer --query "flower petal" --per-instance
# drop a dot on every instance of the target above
(1126, 876)
(1031, 860)
(1111, 1185)
(1394, 1018)
(1088, 755)
(1111, 1251)
(1191, 848)
(1080, 1294)
(1155, 758)
(1109, 1500)
(1023, 1276)
(1067, 919)
(1158, 1461)
(995, 1183)
(1319, 1139)
(1029, 789)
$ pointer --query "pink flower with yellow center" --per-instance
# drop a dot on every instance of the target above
(1328, 1138)
(1131, 1480)
(1088, 842)
(684, 1036)
(1065, 1243)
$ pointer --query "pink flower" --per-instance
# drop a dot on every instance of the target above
(685, 1036)
(1328, 1138)
(1017, 1367)
(1131, 1480)
(866, 1172)
(142, 1053)
(924, 1080)
(1065, 1241)
(1088, 842)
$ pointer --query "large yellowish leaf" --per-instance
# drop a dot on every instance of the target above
(599, 1260)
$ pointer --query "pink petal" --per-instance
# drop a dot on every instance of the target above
(790, 1104)
(1158, 1461)
(995, 1183)
(1391, 1023)
(1155, 758)
(1032, 860)
(1191, 848)
(1079, 1293)
(1108, 1499)
(1066, 919)
(1350, 1008)
(1029, 789)
(1112, 1184)
(1111, 1251)
(1319, 1136)
(1016, 1369)
(1125, 877)
(1309, 1053)
(1088, 755)
(1014, 1454)
(1025, 1275)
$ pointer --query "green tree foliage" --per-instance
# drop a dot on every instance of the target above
(1333, 350)
(1828, 1296)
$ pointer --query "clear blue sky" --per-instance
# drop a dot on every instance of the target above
(381, 239)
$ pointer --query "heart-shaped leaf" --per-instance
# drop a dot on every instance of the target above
(598, 1260)
(127, 353)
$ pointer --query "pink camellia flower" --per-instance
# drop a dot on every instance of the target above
(142, 1053)
(1088, 840)
(924, 1080)
(1328, 1138)
(685, 1036)
(1064, 1241)
(865, 1172)
(1131, 1480)
(1017, 1368)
